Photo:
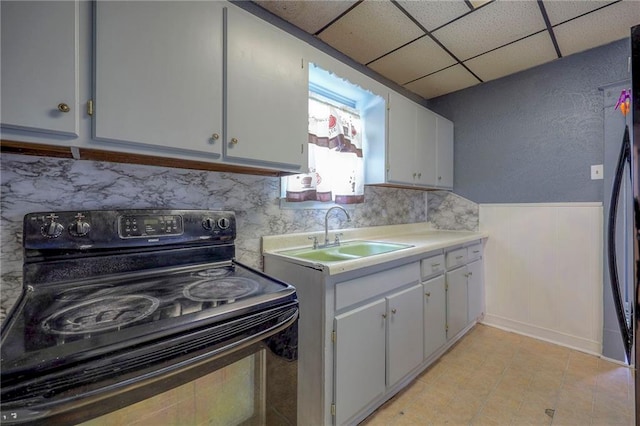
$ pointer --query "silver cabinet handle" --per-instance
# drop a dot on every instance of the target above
(215, 136)
(428, 294)
(459, 257)
(62, 107)
(384, 315)
(234, 141)
(435, 265)
(393, 311)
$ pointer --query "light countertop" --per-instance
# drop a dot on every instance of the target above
(422, 236)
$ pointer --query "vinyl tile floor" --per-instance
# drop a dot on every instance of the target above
(494, 377)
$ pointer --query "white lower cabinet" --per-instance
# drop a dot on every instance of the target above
(384, 336)
(475, 293)
(364, 334)
(435, 315)
(456, 301)
(359, 358)
(405, 333)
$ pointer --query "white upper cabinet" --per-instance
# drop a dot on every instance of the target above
(158, 74)
(40, 66)
(267, 82)
(401, 143)
(419, 149)
(444, 150)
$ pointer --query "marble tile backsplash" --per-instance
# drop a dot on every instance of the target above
(447, 210)
(31, 184)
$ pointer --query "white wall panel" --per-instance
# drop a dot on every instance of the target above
(543, 271)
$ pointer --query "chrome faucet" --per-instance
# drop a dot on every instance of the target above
(326, 225)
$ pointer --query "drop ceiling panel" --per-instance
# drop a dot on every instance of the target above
(595, 29)
(370, 30)
(560, 11)
(491, 26)
(433, 14)
(524, 54)
(414, 60)
(445, 81)
(310, 16)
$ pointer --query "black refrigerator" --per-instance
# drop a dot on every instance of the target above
(635, 183)
(628, 316)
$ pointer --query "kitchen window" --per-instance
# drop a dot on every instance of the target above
(339, 114)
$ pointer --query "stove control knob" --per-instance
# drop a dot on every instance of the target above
(79, 228)
(52, 229)
(208, 223)
(224, 222)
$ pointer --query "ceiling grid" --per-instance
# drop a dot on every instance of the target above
(435, 47)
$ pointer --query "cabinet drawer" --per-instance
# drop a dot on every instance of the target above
(474, 252)
(432, 266)
(456, 258)
(363, 288)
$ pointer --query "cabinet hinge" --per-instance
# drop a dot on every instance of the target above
(301, 148)
(446, 286)
(333, 409)
(302, 63)
(333, 336)
(90, 107)
(446, 327)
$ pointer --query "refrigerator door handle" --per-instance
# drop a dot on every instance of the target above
(625, 329)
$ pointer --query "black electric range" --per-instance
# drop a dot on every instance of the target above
(115, 297)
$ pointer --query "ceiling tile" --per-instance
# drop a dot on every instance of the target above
(310, 16)
(370, 30)
(445, 81)
(433, 14)
(524, 54)
(491, 26)
(598, 28)
(477, 3)
(414, 60)
(560, 11)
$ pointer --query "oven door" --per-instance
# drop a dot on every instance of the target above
(174, 376)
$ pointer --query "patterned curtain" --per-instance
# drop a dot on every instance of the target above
(336, 164)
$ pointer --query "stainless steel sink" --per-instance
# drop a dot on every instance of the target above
(346, 251)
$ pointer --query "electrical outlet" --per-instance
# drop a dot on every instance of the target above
(596, 172)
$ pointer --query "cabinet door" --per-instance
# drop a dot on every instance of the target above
(426, 153)
(359, 359)
(444, 148)
(456, 301)
(39, 66)
(405, 333)
(158, 74)
(401, 140)
(435, 315)
(475, 286)
(267, 84)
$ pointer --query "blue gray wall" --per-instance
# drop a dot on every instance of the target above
(532, 137)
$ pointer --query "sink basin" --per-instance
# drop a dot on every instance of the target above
(346, 251)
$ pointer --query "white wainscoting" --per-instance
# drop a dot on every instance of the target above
(543, 271)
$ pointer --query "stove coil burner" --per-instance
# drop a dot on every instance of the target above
(77, 294)
(213, 273)
(100, 314)
(225, 289)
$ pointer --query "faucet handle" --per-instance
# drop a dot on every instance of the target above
(337, 239)
(315, 241)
